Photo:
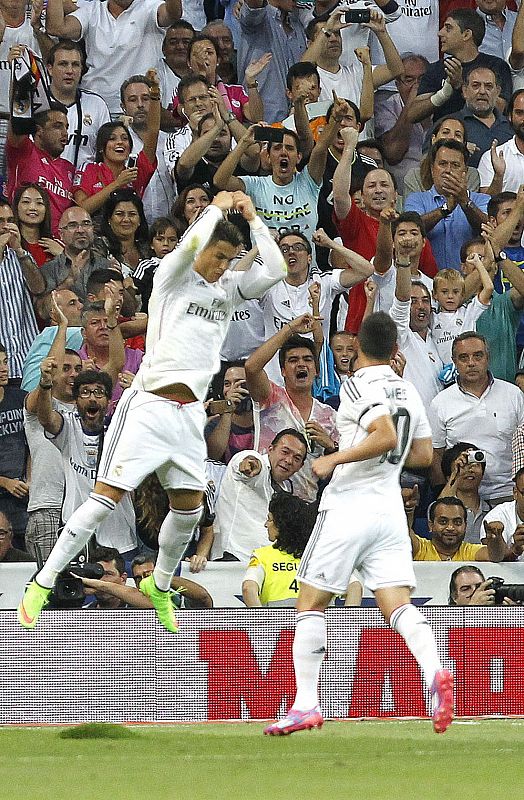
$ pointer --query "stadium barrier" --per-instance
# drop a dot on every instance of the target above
(228, 664)
(224, 581)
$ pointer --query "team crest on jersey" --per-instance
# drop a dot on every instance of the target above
(88, 120)
(117, 471)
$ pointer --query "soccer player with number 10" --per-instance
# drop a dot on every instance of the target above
(361, 524)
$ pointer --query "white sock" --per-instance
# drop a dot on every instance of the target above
(173, 538)
(309, 650)
(416, 632)
(81, 525)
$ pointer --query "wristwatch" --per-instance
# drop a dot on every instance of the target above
(252, 85)
(230, 118)
(502, 256)
(445, 211)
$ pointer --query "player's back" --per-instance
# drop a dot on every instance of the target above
(369, 394)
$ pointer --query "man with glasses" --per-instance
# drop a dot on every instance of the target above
(290, 298)
(72, 268)
(79, 435)
(8, 553)
(103, 346)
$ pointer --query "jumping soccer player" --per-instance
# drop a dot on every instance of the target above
(159, 422)
(361, 524)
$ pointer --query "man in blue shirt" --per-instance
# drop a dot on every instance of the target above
(450, 213)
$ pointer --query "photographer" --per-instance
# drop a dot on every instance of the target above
(510, 518)
(230, 432)
(468, 587)
(111, 590)
(463, 466)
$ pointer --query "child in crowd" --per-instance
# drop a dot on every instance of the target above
(163, 238)
(454, 316)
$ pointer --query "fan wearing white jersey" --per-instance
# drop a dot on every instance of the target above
(159, 422)
(362, 525)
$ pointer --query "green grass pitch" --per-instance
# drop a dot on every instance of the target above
(381, 760)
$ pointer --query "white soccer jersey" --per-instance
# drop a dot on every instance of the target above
(284, 302)
(447, 325)
(79, 457)
(168, 82)
(371, 393)
(189, 317)
(84, 118)
(160, 192)
(23, 34)
(423, 363)
(174, 145)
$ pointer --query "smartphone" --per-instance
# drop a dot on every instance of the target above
(266, 134)
(132, 162)
(219, 407)
(358, 15)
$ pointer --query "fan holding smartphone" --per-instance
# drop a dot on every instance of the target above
(357, 80)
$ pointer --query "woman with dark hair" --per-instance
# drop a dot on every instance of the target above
(270, 578)
(114, 169)
(419, 178)
(32, 212)
(188, 205)
(124, 228)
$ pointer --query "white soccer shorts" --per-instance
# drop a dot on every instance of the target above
(357, 537)
(151, 434)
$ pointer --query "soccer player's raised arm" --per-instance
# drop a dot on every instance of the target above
(196, 237)
(272, 268)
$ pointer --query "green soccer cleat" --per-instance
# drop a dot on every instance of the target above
(162, 603)
(33, 602)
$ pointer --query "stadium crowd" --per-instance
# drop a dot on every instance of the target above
(382, 141)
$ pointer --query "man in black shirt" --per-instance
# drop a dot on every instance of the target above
(14, 490)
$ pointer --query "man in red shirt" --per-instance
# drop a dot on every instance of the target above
(40, 161)
(358, 227)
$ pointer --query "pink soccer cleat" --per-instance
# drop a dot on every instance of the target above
(442, 691)
(296, 721)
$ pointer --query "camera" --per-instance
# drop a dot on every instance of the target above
(515, 591)
(69, 589)
(132, 162)
(476, 457)
(358, 15)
